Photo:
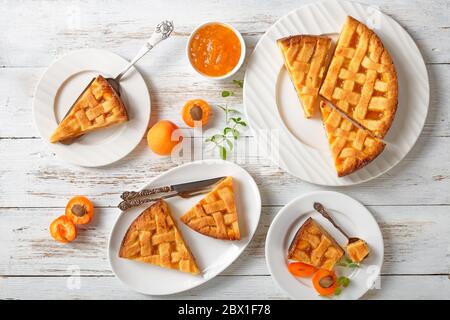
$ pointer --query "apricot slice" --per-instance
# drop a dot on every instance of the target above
(63, 230)
(325, 282)
(196, 110)
(161, 138)
(80, 210)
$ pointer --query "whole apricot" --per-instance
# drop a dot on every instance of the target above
(160, 139)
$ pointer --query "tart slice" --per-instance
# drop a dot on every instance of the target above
(154, 238)
(361, 80)
(351, 147)
(305, 59)
(99, 106)
(215, 215)
(314, 246)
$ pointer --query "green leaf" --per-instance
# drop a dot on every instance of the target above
(337, 291)
(226, 130)
(226, 93)
(353, 265)
(236, 134)
(240, 83)
(348, 260)
(223, 108)
(344, 281)
(234, 111)
(214, 138)
(223, 153)
(230, 144)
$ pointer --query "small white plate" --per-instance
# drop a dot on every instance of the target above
(61, 85)
(351, 215)
(272, 105)
(212, 255)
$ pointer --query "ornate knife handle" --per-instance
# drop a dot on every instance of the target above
(130, 203)
(128, 195)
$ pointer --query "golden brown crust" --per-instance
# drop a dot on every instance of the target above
(351, 147)
(154, 238)
(215, 215)
(305, 58)
(358, 250)
(313, 245)
(298, 237)
(98, 107)
(361, 80)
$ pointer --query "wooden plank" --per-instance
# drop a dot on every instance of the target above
(171, 86)
(411, 202)
(415, 239)
(222, 287)
(34, 177)
(122, 27)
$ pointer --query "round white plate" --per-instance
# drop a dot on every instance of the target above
(61, 85)
(351, 215)
(212, 255)
(271, 102)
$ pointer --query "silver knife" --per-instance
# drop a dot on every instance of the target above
(184, 190)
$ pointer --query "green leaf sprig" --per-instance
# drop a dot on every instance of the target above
(224, 141)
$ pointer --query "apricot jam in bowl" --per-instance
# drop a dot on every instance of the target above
(216, 50)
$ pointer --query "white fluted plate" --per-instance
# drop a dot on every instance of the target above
(61, 85)
(275, 114)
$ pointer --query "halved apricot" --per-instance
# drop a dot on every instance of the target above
(325, 282)
(63, 230)
(80, 210)
(196, 110)
(301, 269)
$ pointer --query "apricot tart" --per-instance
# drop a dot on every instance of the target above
(154, 238)
(361, 80)
(352, 147)
(305, 59)
(358, 250)
(314, 246)
(215, 215)
(99, 106)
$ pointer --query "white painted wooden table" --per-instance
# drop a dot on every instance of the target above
(411, 202)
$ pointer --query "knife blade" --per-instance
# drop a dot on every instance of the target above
(187, 187)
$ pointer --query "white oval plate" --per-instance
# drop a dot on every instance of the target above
(212, 255)
(61, 85)
(351, 215)
(271, 102)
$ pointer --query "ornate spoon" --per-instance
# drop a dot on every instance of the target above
(320, 209)
(162, 32)
(362, 249)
